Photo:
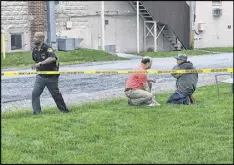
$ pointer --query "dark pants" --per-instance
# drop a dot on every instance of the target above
(52, 84)
(178, 98)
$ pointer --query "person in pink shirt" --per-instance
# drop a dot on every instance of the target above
(138, 86)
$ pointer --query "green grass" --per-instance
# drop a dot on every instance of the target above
(24, 59)
(187, 52)
(173, 53)
(113, 132)
(220, 49)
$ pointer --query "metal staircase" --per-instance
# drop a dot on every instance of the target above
(170, 35)
(161, 28)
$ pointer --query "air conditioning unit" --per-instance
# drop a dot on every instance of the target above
(201, 27)
(217, 12)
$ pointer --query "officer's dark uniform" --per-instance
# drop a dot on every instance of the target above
(49, 81)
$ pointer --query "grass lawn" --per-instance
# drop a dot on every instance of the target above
(220, 49)
(187, 52)
(174, 53)
(113, 132)
(24, 59)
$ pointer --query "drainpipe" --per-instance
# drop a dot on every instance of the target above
(51, 34)
(192, 22)
(103, 25)
(138, 46)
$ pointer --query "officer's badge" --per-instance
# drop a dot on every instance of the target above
(50, 50)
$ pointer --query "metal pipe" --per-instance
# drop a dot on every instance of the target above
(160, 31)
(51, 35)
(144, 36)
(138, 48)
(3, 46)
(155, 38)
(103, 26)
(192, 23)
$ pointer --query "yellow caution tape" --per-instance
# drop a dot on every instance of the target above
(121, 72)
(230, 70)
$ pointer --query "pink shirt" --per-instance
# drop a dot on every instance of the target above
(136, 80)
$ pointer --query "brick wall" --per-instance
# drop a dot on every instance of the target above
(37, 10)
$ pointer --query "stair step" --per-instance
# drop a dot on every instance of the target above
(147, 16)
(139, 5)
(168, 35)
(171, 37)
(167, 30)
(136, 2)
(149, 19)
(144, 13)
(172, 40)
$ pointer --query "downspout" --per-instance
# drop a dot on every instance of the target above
(51, 35)
(192, 22)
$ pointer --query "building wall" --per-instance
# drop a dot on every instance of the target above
(85, 15)
(14, 20)
(216, 32)
(86, 23)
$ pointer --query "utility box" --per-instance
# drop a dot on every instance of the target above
(66, 44)
(201, 26)
(69, 24)
(77, 42)
(110, 48)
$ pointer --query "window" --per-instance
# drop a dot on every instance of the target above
(217, 12)
(106, 22)
(16, 41)
(216, 3)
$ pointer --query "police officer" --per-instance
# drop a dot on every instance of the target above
(45, 60)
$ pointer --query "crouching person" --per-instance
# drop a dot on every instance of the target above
(185, 84)
(138, 87)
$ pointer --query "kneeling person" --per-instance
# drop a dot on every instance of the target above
(138, 87)
(185, 84)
